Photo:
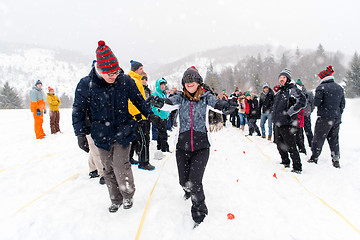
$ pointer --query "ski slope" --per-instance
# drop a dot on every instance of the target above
(46, 192)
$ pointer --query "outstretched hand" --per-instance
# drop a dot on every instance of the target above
(229, 108)
(156, 101)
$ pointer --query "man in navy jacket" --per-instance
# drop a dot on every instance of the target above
(105, 93)
(330, 102)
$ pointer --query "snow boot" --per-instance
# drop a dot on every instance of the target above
(187, 195)
(114, 207)
(146, 166)
(242, 127)
(93, 174)
(336, 164)
(102, 181)
(269, 138)
(128, 203)
(286, 165)
(263, 137)
(312, 161)
(296, 171)
(133, 161)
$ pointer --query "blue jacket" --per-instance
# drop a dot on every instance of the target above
(108, 107)
(329, 99)
(161, 94)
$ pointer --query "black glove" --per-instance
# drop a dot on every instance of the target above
(44, 111)
(38, 112)
(229, 108)
(155, 119)
(83, 143)
(156, 101)
(138, 117)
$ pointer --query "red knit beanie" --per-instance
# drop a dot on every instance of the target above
(328, 72)
(50, 89)
(105, 58)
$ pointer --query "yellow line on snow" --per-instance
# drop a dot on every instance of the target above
(311, 193)
(149, 200)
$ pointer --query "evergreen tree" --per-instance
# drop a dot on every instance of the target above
(211, 78)
(9, 98)
(66, 101)
(352, 88)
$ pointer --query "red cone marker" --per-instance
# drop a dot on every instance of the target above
(274, 175)
(230, 216)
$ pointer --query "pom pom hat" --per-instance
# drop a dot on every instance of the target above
(135, 65)
(287, 73)
(328, 72)
(50, 89)
(105, 58)
(191, 75)
(38, 82)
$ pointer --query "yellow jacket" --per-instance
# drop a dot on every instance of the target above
(137, 78)
(53, 102)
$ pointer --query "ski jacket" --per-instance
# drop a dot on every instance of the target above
(53, 101)
(137, 78)
(108, 104)
(329, 99)
(161, 94)
(193, 119)
(309, 108)
(36, 99)
(252, 110)
(266, 101)
(288, 101)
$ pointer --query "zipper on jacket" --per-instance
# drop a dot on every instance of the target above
(192, 128)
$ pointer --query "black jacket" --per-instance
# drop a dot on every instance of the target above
(329, 99)
(266, 101)
(287, 103)
(254, 110)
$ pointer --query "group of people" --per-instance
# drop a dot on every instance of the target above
(113, 112)
(38, 108)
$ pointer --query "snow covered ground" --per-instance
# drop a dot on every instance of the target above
(46, 192)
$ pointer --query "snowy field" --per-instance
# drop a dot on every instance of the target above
(46, 192)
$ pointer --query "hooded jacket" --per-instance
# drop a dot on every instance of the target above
(137, 78)
(108, 105)
(161, 94)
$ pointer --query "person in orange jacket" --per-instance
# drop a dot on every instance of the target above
(54, 113)
(37, 107)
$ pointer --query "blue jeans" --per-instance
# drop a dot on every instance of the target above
(264, 117)
(243, 119)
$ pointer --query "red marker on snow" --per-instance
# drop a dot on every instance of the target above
(215, 150)
(274, 175)
(230, 216)
(237, 180)
(244, 152)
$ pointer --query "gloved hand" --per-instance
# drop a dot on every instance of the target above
(229, 108)
(38, 112)
(156, 101)
(44, 111)
(138, 117)
(155, 119)
(83, 143)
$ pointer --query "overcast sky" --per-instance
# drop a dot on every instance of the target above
(164, 30)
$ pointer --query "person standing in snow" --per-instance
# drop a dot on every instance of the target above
(37, 107)
(162, 143)
(330, 102)
(265, 105)
(288, 101)
(242, 116)
(252, 112)
(105, 93)
(192, 148)
(54, 103)
(309, 108)
(144, 80)
(234, 116)
(142, 128)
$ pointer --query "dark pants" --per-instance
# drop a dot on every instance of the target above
(326, 129)
(308, 131)
(253, 126)
(286, 143)
(162, 143)
(54, 121)
(224, 119)
(191, 168)
(300, 140)
(173, 117)
(142, 142)
(235, 119)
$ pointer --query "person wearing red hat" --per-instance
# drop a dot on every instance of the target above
(104, 94)
(54, 103)
(330, 102)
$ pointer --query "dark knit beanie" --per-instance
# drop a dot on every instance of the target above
(105, 59)
(191, 75)
(135, 65)
(38, 82)
(328, 72)
(287, 73)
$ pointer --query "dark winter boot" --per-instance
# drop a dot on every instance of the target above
(102, 181)
(312, 161)
(128, 203)
(285, 163)
(296, 171)
(94, 174)
(133, 161)
(336, 164)
(146, 166)
(187, 195)
(114, 207)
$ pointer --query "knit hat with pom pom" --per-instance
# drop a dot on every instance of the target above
(328, 72)
(191, 75)
(105, 59)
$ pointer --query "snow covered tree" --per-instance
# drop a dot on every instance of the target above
(352, 87)
(9, 98)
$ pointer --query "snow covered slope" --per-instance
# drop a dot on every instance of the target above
(46, 192)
